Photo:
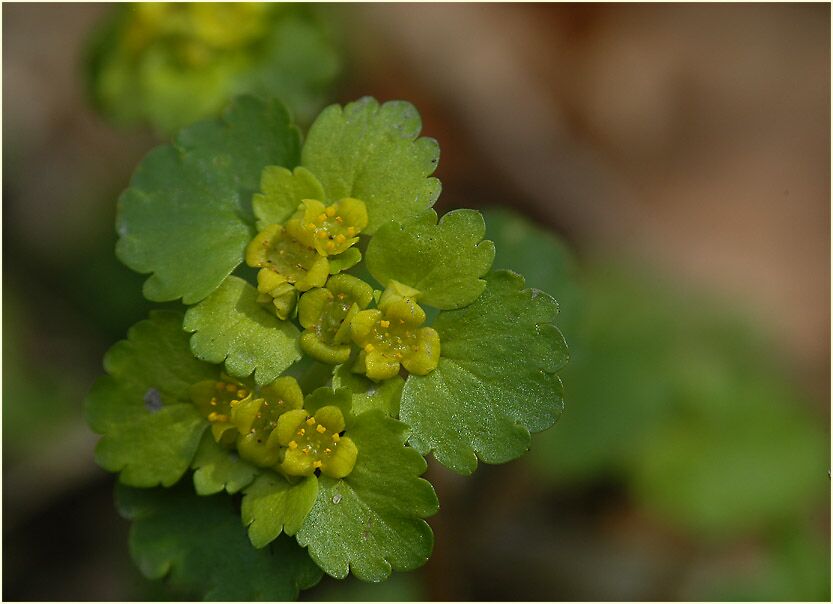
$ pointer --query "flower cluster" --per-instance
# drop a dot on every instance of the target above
(270, 429)
(295, 257)
(387, 316)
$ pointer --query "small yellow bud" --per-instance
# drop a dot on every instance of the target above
(322, 234)
(351, 231)
(340, 238)
(368, 348)
(322, 217)
(331, 245)
(241, 394)
(336, 437)
(293, 445)
(311, 226)
(331, 211)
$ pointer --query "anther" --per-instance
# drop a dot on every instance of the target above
(311, 226)
(327, 451)
(317, 464)
(320, 429)
(322, 234)
(311, 421)
(241, 394)
(368, 348)
(331, 245)
(384, 323)
(331, 211)
(351, 231)
(336, 437)
(293, 444)
(322, 217)
(301, 432)
(339, 219)
(340, 238)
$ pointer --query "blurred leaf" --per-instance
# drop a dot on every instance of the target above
(371, 152)
(173, 64)
(200, 545)
(444, 260)
(231, 326)
(370, 522)
(496, 381)
(795, 566)
(187, 215)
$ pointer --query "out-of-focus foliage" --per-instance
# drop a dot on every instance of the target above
(31, 391)
(680, 401)
(170, 64)
(191, 539)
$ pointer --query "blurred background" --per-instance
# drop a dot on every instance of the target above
(662, 170)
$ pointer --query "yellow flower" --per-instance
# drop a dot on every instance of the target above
(391, 335)
(329, 229)
(315, 443)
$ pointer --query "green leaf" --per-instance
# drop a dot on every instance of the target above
(187, 215)
(521, 246)
(444, 260)
(282, 193)
(326, 396)
(200, 545)
(368, 394)
(496, 381)
(370, 522)
(150, 429)
(271, 505)
(232, 326)
(218, 469)
(372, 153)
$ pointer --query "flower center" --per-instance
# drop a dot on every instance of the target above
(314, 440)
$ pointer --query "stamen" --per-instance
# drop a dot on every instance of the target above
(320, 429)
